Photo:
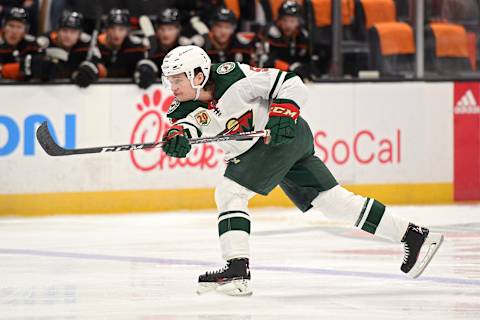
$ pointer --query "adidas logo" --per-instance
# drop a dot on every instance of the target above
(467, 104)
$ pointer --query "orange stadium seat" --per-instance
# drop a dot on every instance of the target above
(233, 5)
(322, 11)
(370, 12)
(446, 48)
(321, 16)
(392, 48)
(355, 53)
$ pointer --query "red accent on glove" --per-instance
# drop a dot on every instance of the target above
(284, 110)
(172, 132)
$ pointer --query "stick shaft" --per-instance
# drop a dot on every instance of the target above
(93, 41)
(52, 148)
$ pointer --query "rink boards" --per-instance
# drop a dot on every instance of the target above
(393, 141)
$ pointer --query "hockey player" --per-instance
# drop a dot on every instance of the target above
(229, 98)
(222, 44)
(75, 45)
(123, 54)
(16, 45)
(286, 41)
(168, 34)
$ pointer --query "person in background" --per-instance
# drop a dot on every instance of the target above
(286, 41)
(90, 10)
(459, 11)
(123, 54)
(69, 53)
(222, 44)
(30, 6)
(16, 46)
(148, 7)
(168, 30)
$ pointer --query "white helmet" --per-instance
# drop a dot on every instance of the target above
(185, 59)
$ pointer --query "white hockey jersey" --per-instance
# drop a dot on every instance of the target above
(242, 97)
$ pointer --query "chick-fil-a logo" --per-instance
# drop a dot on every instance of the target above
(150, 127)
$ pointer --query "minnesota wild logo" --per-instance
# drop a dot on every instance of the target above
(225, 68)
(244, 123)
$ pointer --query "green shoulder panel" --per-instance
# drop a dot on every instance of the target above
(181, 110)
(224, 75)
(290, 75)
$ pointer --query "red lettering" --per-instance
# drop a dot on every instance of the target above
(388, 150)
(356, 143)
(381, 152)
(202, 157)
(399, 146)
(334, 152)
(318, 145)
(149, 126)
(152, 124)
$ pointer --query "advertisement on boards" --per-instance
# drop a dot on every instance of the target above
(383, 133)
(466, 107)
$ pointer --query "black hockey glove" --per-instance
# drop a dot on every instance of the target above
(283, 117)
(301, 69)
(85, 75)
(177, 144)
(35, 66)
(145, 73)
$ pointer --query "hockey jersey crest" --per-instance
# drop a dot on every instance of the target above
(244, 123)
(226, 67)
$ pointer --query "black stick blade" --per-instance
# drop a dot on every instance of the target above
(46, 141)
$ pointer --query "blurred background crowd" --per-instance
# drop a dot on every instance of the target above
(84, 41)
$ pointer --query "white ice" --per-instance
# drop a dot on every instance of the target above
(145, 266)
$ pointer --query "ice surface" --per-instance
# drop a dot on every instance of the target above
(145, 266)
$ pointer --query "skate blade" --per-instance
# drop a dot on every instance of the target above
(204, 287)
(240, 287)
(433, 241)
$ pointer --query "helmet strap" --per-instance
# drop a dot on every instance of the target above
(197, 94)
(196, 87)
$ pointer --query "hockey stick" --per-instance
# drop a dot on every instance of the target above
(53, 149)
(93, 42)
(149, 32)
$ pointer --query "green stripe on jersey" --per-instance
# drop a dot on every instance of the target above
(374, 217)
(290, 75)
(362, 213)
(235, 223)
(274, 85)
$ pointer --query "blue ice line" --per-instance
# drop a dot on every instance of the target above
(186, 262)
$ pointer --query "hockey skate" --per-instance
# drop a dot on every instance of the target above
(420, 247)
(233, 279)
